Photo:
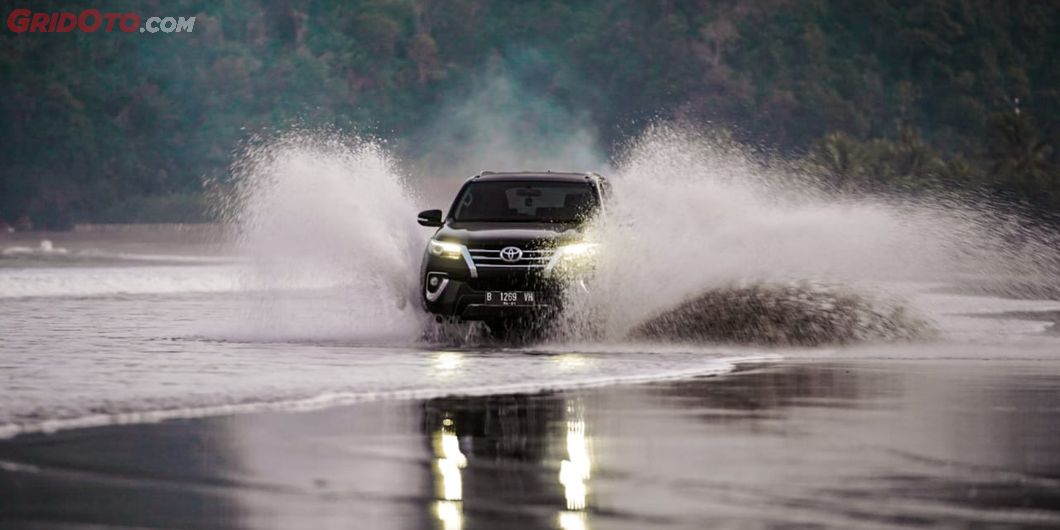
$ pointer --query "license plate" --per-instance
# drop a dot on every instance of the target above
(510, 298)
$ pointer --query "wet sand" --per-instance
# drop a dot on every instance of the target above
(865, 444)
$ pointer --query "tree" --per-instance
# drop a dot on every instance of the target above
(1019, 158)
(842, 158)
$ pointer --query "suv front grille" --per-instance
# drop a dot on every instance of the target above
(487, 258)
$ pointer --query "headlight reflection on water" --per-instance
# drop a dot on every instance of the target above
(450, 514)
(574, 471)
(449, 484)
(447, 361)
(571, 361)
(572, 521)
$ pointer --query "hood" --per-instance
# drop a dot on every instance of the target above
(529, 234)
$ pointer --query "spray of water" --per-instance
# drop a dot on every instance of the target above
(329, 233)
(694, 214)
(696, 227)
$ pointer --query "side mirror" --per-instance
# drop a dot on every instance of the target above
(430, 218)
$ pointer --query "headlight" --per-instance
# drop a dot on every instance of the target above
(446, 250)
(577, 257)
(578, 250)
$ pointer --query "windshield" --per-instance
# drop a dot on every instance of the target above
(526, 201)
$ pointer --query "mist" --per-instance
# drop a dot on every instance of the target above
(498, 124)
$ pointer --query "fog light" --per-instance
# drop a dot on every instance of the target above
(436, 282)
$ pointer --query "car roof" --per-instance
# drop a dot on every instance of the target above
(562, 176)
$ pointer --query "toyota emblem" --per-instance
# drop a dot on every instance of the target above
(511, 254)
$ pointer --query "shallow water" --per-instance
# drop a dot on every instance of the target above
(87, 342)
(130, 325)
(863, 443)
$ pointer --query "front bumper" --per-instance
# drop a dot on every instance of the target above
(461, 294)
(463, 281)
(465, 298)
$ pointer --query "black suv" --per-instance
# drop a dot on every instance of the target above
(509, 246)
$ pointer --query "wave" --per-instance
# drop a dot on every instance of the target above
(710, 367)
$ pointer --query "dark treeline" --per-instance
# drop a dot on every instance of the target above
(878, 95)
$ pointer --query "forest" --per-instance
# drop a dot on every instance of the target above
(881, 96)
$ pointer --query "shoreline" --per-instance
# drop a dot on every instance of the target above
(342, 399)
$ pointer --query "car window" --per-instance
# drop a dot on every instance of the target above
(526, 201)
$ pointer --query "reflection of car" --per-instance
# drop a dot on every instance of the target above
(500, 253)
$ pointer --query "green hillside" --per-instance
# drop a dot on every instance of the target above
(879, 95)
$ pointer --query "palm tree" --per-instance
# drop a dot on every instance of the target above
(842, 157)
(1017, 155)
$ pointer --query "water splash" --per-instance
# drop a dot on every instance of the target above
(694, 219)
(693, 214)
(326, 220)
(796, 314)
